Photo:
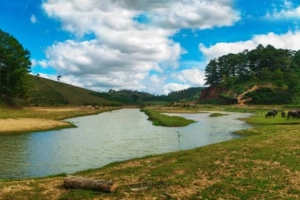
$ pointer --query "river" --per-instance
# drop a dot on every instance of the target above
(105, 138)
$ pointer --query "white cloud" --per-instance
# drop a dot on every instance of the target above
(170, 87)
(124, 50)
(286, 11)
(193, 76)
(42, 63)
(289, 40)
(224, 48)
(194, 14)
(33, 19)
(33, 62)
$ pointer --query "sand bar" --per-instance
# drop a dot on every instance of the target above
(29, 124)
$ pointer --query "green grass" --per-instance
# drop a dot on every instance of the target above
(217, 114)
(263, 165)
(255, 167)
(260, 119)
(160, 119)
(46, 92)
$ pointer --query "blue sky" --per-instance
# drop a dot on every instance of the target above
(156, 46)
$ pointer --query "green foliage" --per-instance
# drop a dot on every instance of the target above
(14, 67)
(130, 97)
(127, 97)
(265, 64)
(217, 114)
(160, 119)
(176, 96)
(186, 94)
(269, 96)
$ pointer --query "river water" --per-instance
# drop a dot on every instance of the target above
(105, 138)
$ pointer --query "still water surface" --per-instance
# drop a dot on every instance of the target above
(105, 138)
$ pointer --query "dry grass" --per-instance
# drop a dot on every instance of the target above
(40, 118)
(28, 124)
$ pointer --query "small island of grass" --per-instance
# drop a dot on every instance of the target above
(217, 114)
(160, 119)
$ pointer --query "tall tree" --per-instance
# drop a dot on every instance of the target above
(14, 67)
(212, 73)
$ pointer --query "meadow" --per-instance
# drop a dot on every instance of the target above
(265, 164)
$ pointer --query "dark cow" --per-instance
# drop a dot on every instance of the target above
(271, 113)
(283, 114)
(293, 114)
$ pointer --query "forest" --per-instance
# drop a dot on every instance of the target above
(277, 71)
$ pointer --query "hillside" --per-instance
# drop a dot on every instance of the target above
(264, 75)
(250, 93)
(46, 92)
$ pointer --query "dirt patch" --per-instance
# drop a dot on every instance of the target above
(240, 98)
(211, 93)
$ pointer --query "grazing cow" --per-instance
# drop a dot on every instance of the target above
(271, 113)
(293, 114)
(283, 114)
(276, 111)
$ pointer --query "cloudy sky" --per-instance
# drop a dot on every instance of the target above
(156, 46)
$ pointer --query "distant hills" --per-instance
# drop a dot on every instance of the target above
(46, 92)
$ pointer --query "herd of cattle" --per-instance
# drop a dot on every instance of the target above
(292, 113)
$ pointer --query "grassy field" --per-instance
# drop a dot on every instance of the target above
(263, 165)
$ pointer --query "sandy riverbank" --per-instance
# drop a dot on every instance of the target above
(28, 124)
(40, 118)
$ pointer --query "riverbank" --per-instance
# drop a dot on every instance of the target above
(32, 119)
(264, 165)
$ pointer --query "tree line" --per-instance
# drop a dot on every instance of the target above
(14, 68)
(188, 94)
(265, 63)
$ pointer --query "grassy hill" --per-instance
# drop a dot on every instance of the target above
(46, 92)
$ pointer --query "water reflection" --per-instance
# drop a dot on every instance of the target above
(105, 138)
